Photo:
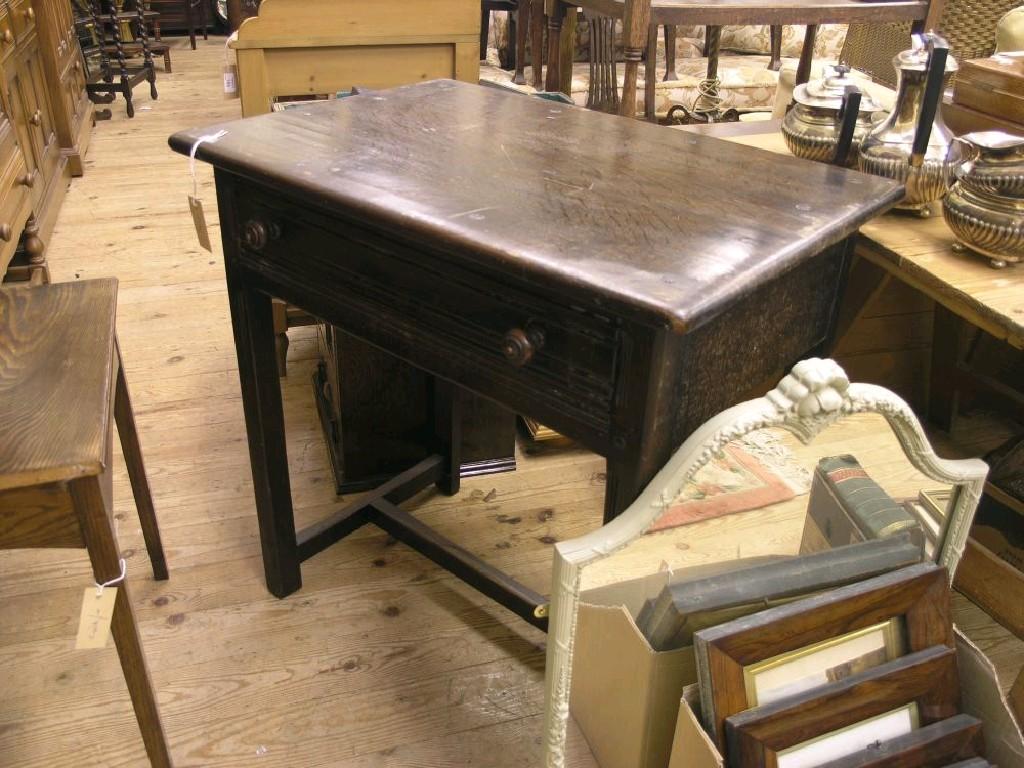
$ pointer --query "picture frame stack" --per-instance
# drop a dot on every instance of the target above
(859, 669)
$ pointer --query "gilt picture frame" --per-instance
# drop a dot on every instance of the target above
(887, 702)
(824, 662)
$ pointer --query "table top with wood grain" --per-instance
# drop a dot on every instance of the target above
(919, 252)
(56, 352)
(768, 11)
(666, 227)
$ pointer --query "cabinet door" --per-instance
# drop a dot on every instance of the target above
(41, 118)
(18, 105)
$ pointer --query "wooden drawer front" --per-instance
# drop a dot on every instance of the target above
(23, 18)
(15, 200)
(390, 294)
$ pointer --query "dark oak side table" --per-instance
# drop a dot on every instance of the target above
(584, 285)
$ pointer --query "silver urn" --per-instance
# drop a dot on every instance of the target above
(813, 124)
(985, 205)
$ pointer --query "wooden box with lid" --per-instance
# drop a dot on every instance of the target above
(994, 86)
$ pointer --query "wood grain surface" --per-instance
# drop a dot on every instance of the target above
(608, 221)
(56, 348)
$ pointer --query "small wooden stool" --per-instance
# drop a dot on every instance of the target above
(61, 380)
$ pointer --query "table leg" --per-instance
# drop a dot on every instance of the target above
(555, 18)
(537, 18)
(670, 53)
(190, 22)
(943, 390)
(448, 434)
(253, 323)
(485, 24)
(776, 42)
(522, 23)
(650, 75)
(803, 70)
(712, 47)
(627, 477)
(567, 50)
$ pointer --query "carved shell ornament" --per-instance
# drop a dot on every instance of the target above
(813, 387)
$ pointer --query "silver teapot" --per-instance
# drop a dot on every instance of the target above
(913, 145)
(813, 125)
(985, 205)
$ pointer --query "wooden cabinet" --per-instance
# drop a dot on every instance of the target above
(46, 124)
(65, 79)
(15, 197)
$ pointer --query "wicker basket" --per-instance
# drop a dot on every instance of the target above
(968, 25)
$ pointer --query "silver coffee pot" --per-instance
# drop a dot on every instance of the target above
(913, 145)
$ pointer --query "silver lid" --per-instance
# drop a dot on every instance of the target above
(828, 92)
(915, 58)
(994, 140)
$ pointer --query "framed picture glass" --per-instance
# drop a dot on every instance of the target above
(852, 738)
(824, 662)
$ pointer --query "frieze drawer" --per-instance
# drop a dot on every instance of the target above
(506, 335)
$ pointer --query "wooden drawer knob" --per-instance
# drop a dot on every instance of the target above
(256, 234)
(30, 14)
(37, 117)
(6, 232)
(520, 346)
(8, 36)
(27, 180)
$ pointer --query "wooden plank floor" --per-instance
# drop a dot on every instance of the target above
(381, 659)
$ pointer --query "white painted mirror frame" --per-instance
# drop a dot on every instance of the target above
(815, 395)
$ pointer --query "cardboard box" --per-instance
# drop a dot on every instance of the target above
(625, 695)
(626, 699)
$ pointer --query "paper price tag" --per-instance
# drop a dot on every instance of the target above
(230, 81)
(195, 205)
(94, 623)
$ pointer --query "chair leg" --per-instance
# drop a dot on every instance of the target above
(485, 23)
(124, 416)
(94, 517)
(523, 23)
(537, 24)
(670, 53)
(776, 41)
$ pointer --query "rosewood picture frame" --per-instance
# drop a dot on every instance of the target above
(918, 594)
(926, 680)
(815, 395)
(943, 743)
